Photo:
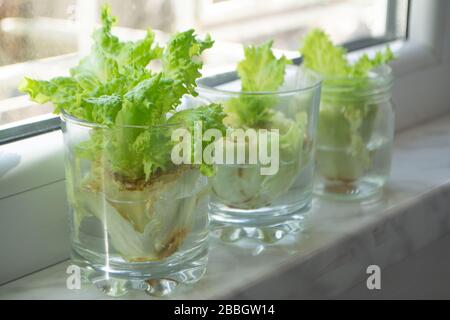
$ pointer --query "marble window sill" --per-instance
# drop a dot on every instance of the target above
(341, 239)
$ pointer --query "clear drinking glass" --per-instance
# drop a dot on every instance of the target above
(355, 136)
(129, 232)
(244, 202)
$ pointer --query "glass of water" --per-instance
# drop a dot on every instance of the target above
(355, 136)
(129, 232)
(263, 190)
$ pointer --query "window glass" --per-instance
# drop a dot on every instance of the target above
(44, 38)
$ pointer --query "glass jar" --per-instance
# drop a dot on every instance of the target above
(129, 231)
(247, 202)
(355, 136)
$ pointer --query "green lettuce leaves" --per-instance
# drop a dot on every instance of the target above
(347, 113)
(180, 63)
(259, 71)
(114, 87)
(321, 55)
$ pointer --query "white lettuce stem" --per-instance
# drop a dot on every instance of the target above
(148, 224)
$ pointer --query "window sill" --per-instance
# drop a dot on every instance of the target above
(341, 241)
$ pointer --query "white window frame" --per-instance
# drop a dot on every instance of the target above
(33, 228)
(210, 13)
(422, 71)
(220, 18)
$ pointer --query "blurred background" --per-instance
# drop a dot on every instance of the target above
(44, 38)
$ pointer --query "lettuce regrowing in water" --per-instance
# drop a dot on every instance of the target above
(261, 75)
(347, 111)
(151, 203)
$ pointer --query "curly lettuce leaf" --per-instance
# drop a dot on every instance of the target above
(260, 71)
(114, 87)
(250, 111)
(211, 117)
(103, 109)
(61, 91)
(180, 60)
(364, 64)
(148, 102)
(109, 54)
(321, 55)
